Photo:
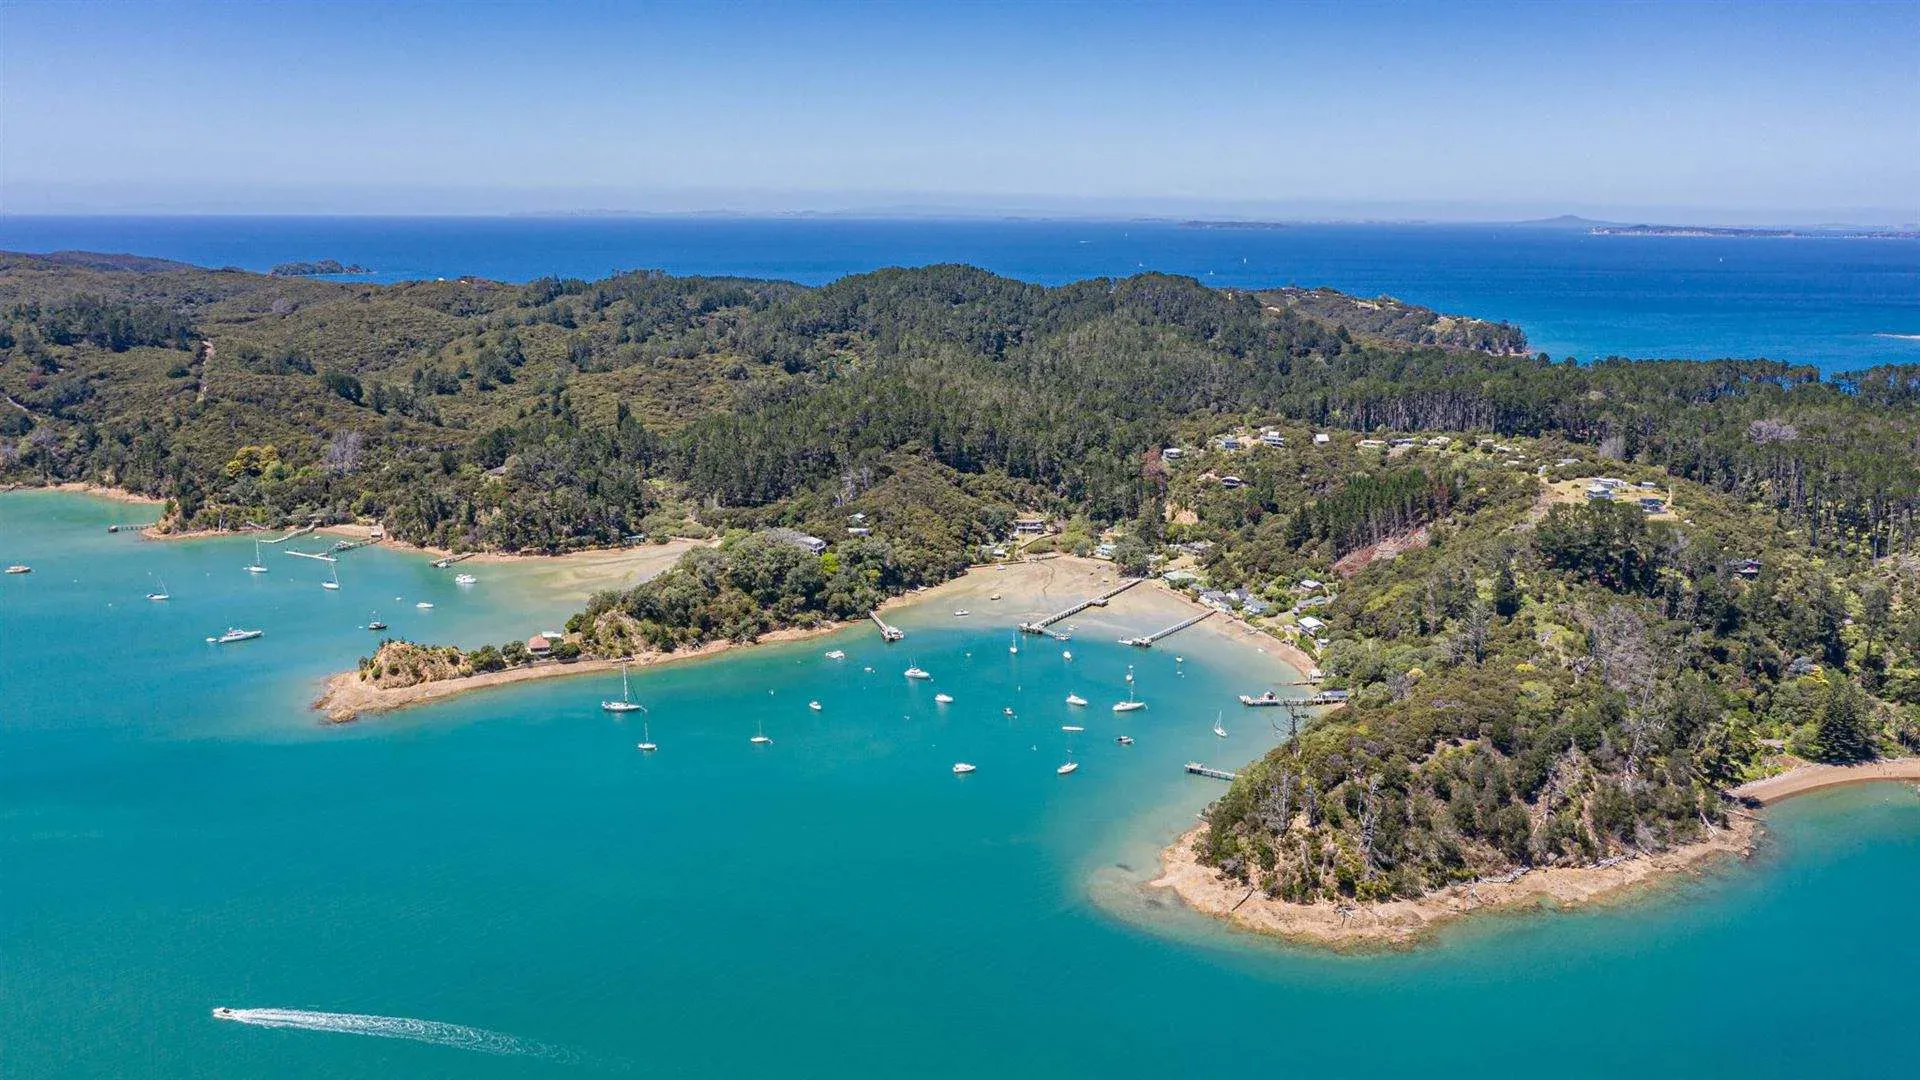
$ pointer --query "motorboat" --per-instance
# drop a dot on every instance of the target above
(424, 606)
(1125, 740)
(19, 568)
(1069, 767)
(814, 705)
(234, 634)
(962, 613)
(464, 579)
(943, 698)
(917, 672)
(1071, 727)
(1076, 699)
(961, 768)
(837, 654)
(1066, 654)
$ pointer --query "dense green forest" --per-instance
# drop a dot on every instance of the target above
(1534, 680)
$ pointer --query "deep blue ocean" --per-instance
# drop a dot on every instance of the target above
(1839, 304)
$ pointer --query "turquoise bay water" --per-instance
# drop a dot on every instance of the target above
(177, 833)
(1841, 305)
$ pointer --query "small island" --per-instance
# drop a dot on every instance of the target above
(321, 268)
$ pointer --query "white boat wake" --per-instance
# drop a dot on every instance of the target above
(433, 1032)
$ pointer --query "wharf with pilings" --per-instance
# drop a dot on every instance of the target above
(350, 545)
(310, 555)
(1209, 772)
(887, 633)
(442, 564)
(301, 531)
(1146, 641)
(1040, 625)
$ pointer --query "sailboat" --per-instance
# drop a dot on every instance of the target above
(1217, 728)
(256, 567)
(334, 581)
(161, 592)
(1131, 703)
(1014, 646)
(760, 736)
(626, 702)
(646, 739)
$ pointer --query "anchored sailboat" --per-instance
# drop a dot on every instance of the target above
(626, 702)
(257, 567)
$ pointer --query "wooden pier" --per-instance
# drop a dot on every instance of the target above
(1039, 626)
(1209, 772)
(887, 633)
(301, 531)
(1146, 642)
(349, 545)
(442, 564)
(310, 555)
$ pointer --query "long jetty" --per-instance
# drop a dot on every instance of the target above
(349, 545)
(442, 564)
(310, 555)
(301, 531)
(1209, 772)
(1040, 625)
(1146, 641)
(887, 633)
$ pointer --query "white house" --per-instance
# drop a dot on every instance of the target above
(1312, 625)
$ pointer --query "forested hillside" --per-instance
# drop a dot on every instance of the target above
(1535, 678)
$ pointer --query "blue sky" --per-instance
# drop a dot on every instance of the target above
(1707, 112)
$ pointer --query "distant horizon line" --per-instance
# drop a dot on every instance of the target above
(960, 215)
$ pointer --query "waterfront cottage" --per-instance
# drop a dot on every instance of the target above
(539, 646)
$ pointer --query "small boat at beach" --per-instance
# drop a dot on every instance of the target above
(962, 613)
(645, 745)
(626, 702)
(1217, 728)
(234, 634)
(814, 705)
(961, 768)
(464, 579)
(1130, 704)
(916, 672)
(995, 596)
(837, 654)
(760, 736)
(1125, 740)
(1071, 727)
(256, 567)
(1076, 699)
(19, 568)
(943, 698)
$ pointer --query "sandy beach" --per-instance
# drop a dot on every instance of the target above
(1819, 777)
(1404, 923)
(104, 492)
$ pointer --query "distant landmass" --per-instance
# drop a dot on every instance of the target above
(322, 268)
(1709, 230)
(1233, 224)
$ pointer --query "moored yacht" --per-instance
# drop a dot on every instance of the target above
(626, 702)
(961, 768)
(1076, 699)
(234, 634)
(917, 672)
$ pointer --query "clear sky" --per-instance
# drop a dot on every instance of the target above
(1704, 112)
